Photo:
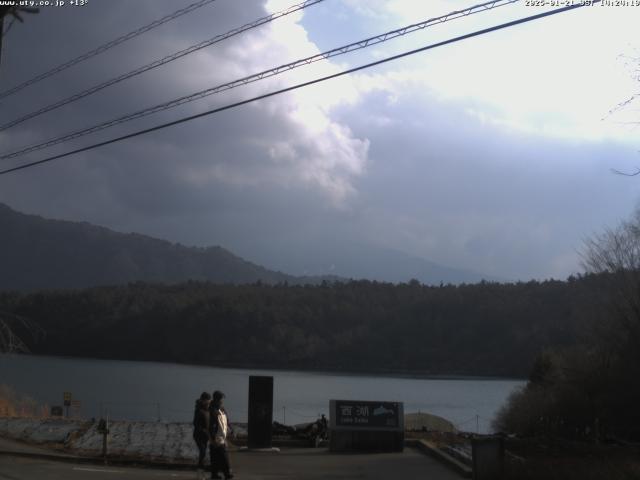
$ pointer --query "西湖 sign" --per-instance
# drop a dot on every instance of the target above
(354, 414)
(366, 426)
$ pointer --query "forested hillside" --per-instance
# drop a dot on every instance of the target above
(481, 329)
(37, 253)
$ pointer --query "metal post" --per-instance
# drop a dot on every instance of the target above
(104, 446)
(103, 428)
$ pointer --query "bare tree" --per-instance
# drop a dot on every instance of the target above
(16, 11)
(10, 341)
(616, 254)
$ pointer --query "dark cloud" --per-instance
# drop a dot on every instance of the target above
(282, 180)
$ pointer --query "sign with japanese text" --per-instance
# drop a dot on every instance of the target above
(366, 414)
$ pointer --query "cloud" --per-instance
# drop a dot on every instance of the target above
(445, 186)
(552, 76)
(320, 152)
(489, 155)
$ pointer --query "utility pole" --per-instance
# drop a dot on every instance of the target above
(1, 36)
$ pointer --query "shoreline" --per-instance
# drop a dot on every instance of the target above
(412, 374)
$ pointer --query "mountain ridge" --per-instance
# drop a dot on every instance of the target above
(42, 253)
(350, 259)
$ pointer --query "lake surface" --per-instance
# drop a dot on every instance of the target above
(165, 391)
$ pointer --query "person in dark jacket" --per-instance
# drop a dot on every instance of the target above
(219, 428)
(201, 427)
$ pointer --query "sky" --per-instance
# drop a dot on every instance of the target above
(493, 154)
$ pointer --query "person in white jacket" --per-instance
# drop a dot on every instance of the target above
(218, 447)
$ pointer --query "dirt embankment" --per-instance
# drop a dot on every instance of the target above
(144, 440)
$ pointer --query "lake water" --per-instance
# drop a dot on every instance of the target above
(152, 391)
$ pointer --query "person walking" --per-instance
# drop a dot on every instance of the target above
(219, 427)
(201, 429)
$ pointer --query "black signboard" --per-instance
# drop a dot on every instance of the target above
(358, 425)
(260, 411)
(56, 411)
(488, 458)
(349, 413)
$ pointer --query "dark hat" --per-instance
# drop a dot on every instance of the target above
(205, 396)
(217, 395)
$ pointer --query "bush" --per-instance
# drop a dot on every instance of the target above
(566, 396)
(13, 404)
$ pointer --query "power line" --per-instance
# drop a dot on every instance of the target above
(160, 62)
(300, 85)
(106, 46)
(261, 75)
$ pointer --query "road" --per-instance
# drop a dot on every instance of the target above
(299, 464)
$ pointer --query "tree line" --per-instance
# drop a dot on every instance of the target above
(487, 328)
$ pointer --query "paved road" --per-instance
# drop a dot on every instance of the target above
(302, 464)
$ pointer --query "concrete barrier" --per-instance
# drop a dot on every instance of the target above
(432, 450)
(488, 458)
(366, 426)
